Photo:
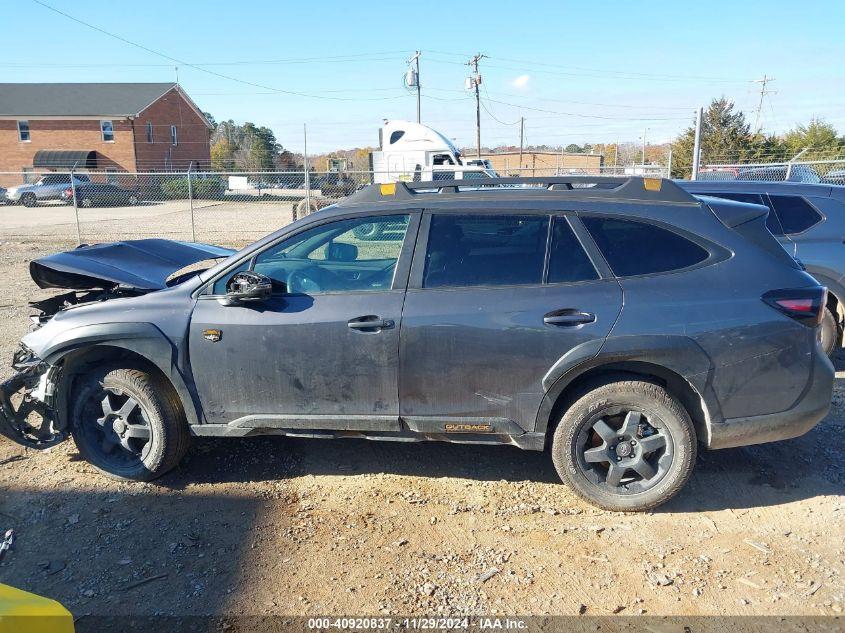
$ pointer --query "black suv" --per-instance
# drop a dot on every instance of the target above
(617, 322)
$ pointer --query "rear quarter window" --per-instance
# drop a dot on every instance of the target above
(795, 213)
(639, 248)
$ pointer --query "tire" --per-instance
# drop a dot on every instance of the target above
(612, 403)
(133, 200)
(130, 457)
(87, 203)
(29, 200)
(830, 332)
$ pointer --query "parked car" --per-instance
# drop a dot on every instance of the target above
(775, 173)
(48, 187)
(495, 317)
(809, 221)
(95, 194)
(834, 177)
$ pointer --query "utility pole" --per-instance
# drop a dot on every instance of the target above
(412, 79)
(472, 82)
(696, 150)
(758, 118)
(521, 139)
(645, 131)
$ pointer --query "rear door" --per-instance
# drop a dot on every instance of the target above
(494, 300)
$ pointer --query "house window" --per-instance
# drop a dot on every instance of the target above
(149, 132)
(107, 129)
(23, 131)
(173, 139)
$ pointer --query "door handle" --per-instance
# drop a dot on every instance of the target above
(568, 317)
(370, 322)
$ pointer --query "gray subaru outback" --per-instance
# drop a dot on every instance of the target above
(617, 323)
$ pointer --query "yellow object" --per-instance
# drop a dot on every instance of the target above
(23, 612)
(388, 189)
(652, 184)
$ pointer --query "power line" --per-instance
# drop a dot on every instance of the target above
(182, 62)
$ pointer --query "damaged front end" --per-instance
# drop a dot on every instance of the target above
(28, 413)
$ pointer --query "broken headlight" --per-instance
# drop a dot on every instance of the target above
(24, 359)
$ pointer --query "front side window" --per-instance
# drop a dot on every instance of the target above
(795, 213)
(567, 260)
(23, 131)
(355, 255)
(637, 248)
(107, 129)
(174, 139)
(485, 250)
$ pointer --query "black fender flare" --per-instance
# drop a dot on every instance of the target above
(676, 354)
(144, 339)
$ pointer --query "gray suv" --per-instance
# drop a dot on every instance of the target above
(809, 221)
(618, 323)
(48, 187)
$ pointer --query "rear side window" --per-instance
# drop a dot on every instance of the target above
(567, 260)
(795, 213)
(485, 250)
(637, 248)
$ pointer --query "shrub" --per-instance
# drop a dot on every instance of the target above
(207, 188)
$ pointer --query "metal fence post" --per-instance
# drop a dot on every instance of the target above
(75, 206)
(191, 202)
(307, 173)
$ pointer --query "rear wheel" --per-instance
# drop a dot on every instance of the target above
(128, 423)
(87, 203)
(133, 199)
(625, 445)
(830, 332)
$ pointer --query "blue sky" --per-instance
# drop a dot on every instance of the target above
(577, 71)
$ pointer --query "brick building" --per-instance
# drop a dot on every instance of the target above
(100, 126)
(541, 163)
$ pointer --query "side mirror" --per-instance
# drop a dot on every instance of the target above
(247, 286)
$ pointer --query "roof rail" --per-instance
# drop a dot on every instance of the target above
(618, 188)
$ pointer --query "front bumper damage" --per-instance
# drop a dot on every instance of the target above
(28, 414)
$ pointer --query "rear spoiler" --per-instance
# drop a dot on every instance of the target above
(749, 220)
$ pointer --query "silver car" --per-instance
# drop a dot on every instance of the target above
(48, 187)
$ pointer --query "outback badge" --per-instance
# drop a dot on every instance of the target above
(212, 335)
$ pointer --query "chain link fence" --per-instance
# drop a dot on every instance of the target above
(830, 172)
(230, 209)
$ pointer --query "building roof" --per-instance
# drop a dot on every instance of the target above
(81, 99)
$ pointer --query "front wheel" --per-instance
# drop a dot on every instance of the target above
(29, 200)
(626, 445)
(128, 423)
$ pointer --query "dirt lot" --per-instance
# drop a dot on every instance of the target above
(278, 526)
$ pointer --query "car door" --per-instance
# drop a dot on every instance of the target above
(323, 351)
(489, 311)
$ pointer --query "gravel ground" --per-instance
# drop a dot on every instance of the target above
(281, 526)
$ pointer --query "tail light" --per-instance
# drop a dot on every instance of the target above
(805, 305)
(68, 192)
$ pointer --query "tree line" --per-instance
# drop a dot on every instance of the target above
(727, 138)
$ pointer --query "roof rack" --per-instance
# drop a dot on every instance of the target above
(617, 188)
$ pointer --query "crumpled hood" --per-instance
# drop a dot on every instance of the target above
(142, 265)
